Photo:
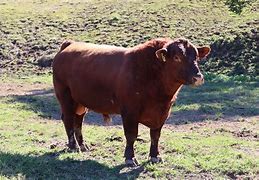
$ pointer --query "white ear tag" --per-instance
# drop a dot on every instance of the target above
(163, 58)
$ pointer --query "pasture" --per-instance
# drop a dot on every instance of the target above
(213, 130)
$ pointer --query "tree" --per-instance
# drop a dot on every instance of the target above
(237, 6)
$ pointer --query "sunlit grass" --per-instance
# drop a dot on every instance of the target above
(32, 144)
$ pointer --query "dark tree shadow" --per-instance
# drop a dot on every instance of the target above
(214, 100)
(235, 56)
(48, 166)
(236, 6)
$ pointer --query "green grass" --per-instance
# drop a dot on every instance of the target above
(221, 97)
(32, 142)
(30, 30)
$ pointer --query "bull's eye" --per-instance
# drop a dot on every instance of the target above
(177, 59)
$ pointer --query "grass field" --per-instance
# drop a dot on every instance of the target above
(213, 130)
(213, 134)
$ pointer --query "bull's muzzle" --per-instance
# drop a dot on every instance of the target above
(198, 79)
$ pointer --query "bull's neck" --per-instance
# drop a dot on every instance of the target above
(170, 85)
(150, 70)
(173, 90)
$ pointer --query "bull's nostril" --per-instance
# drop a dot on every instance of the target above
(199, 75)
(194, 79)
(197, 80)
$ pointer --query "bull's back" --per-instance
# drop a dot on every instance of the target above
(90, 72)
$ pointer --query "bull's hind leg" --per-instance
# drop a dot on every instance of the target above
(78, 120)
(67, 107)
(68, 123)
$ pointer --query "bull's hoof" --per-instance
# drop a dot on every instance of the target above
(71, 150)
(71, 147)
(84, 148)
(131, 162)
(155, 160)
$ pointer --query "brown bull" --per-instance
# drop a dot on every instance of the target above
(140, 83)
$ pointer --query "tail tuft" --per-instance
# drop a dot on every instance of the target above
(107, 119)
(65, 44)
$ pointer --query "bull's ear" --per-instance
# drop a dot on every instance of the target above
(161, 54)
(203, 52)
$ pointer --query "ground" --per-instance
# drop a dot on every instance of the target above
(211, 133)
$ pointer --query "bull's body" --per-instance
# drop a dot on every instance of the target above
(133, 82)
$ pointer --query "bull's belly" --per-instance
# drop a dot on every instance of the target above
(100, 103)
(102, 107)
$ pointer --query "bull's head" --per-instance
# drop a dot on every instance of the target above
(181, 61)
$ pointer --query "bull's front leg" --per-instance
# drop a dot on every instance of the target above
(154, 152)
(131, 132)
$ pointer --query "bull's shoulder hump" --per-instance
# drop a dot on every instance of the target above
(81, 46)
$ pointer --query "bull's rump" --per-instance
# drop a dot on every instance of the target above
(90, 72)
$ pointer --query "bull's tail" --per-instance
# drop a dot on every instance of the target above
(65, 44)
(107, 119)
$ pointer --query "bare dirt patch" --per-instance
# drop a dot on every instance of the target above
(10, 89)
(245, 129)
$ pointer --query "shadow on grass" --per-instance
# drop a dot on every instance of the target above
(48, 166)
(227, 100)
(215, 101)
(43, 102)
